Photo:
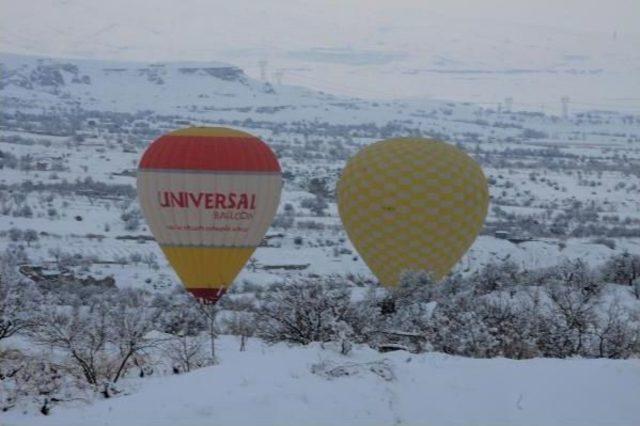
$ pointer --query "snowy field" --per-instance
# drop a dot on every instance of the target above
(280, 385)
(560, 182)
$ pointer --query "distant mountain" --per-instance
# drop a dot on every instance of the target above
(129, 86)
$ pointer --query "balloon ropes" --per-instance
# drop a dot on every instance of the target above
(412, 204)
(209, 195)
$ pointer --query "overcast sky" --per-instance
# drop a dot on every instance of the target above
(57, 27)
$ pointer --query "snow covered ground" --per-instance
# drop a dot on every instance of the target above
(280, 385)
(61, 125)
(562, 187)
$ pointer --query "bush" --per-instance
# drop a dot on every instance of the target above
(607, 242)
(99, 335)
(317, 205)
(304, 312)
(622, 269)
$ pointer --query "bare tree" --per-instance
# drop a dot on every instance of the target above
(102, 339)
(241, 323)
(185, 319)
(616, 334)
(17, 300)
(210, 312)
(304, 311)
(81, 334)
(571, 318)
(622, 269)
(133, 319)
(30, 235)
(185, 352)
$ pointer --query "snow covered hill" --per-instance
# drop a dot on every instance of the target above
(280, 385)
(129, 86)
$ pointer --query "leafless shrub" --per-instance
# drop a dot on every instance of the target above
(185, 352)
(303, 312)
(622, 269)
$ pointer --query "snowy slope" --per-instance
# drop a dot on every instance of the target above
(130, 86)
(282, 385)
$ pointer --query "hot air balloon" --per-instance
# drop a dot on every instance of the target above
(412, 204)
(209, 194)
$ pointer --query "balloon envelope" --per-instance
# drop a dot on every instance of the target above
(412, 204)
(209, 195)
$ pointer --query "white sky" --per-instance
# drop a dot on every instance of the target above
(57, 27)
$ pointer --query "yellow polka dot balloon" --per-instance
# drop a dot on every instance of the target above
(412, 204)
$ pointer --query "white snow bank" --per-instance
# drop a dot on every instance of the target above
(276, 386)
